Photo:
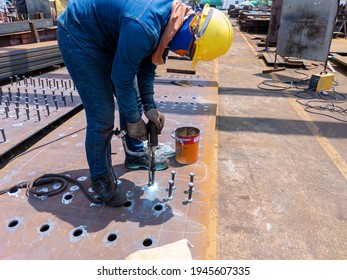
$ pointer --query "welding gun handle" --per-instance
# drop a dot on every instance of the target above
(152, 134)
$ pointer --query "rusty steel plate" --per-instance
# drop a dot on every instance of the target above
(68, 226)
(31, 104)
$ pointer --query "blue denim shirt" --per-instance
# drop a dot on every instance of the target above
(127, 32)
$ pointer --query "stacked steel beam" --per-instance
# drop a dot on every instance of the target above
(17, 60)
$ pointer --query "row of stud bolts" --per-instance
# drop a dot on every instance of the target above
(172, 186)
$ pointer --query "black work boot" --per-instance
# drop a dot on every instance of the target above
(102, 186)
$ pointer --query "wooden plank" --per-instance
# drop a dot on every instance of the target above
(339, 46)
(182, 71)
(19, 26)
(339, 58)
(34, 33)
(270, 58)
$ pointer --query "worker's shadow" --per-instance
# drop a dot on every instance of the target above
(143, 207)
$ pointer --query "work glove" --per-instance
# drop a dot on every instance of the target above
(156, 117)
(137, 130)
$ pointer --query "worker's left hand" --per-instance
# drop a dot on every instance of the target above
(137, 130)
(158, 118)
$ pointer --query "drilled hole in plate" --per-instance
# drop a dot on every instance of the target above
(77, 232)
(147, 242)
(44, 228)
(68, 196)
(158, 207)
(127, 203)
(112, 237)
(13, 223)
(13, 190)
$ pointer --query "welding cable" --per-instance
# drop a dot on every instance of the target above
(273, 85)
(109, 164)
(327, 102)
(62, 180)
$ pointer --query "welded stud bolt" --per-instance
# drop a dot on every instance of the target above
(3, 134)
(47, 109)
(17, 112)
(191, 174)
(47, 106)
(10, 93)
(55, 100)
(63, 97)
(11, 79)
(27, 112)
(71, 96)
(17, 80)
(173, 175)
(38, 114)
(27, 99)
(1, 94)
(18, 93)
(190, 192)
(6, 110)
(171, 185)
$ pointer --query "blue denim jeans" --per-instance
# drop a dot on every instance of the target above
(96, 89)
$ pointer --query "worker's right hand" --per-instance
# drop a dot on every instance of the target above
(137, 130)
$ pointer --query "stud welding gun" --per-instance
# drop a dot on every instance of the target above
(152, 136)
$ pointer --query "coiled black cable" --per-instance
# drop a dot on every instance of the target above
(51, 178)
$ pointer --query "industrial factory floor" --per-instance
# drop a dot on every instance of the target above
(282, 171)
(270, 182)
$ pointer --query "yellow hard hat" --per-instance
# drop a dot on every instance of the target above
(214, 35)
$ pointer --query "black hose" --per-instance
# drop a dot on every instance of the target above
(45, 179)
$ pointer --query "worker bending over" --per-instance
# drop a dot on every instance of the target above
(111, 49)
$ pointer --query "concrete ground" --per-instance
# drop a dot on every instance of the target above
(282, 171)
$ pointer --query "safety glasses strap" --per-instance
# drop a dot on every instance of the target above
(204, 25)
